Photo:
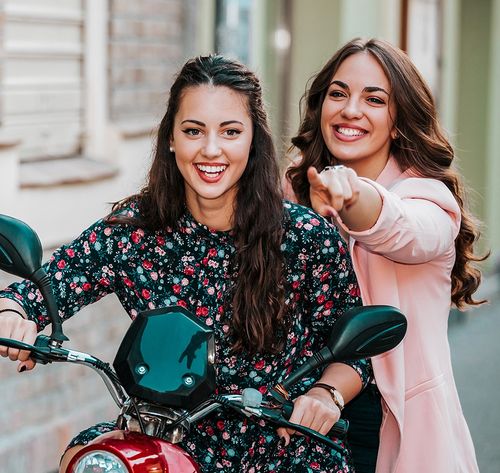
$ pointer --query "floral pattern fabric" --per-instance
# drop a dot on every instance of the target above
(193, 266)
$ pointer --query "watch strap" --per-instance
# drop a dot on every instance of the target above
(337, 397)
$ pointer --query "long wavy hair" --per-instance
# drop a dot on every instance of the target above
(420, 146)
(257, 226)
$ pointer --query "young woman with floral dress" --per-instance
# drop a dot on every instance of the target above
(210, 232)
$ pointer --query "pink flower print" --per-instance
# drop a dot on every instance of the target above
(324, 276)
(314, 465)
(203, 311)
(93, 237)
(136, 237)
(176, 288)
(87, 286)
(128, 282)
(160, 240)
(104, 282)
(188, 270)
(147, 265)
(146, 294)
(212, 252)
(182, 304)
(354, 291)
(108, 231)
(61, 264)
(70, 252)
(314, 221)
(259, 365)
(342, 249)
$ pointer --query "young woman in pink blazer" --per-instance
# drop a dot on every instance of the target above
(373, 156)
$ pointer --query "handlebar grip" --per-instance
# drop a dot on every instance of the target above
(338, 430)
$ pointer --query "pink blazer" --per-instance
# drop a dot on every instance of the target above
(405, 260)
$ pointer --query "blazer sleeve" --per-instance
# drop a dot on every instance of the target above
(419, 221)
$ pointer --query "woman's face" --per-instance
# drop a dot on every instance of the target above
(357, 116)
(211, 139)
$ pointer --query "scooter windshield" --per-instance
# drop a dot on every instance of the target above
(167, 357)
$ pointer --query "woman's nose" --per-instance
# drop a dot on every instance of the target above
(352, 109)
(212, 147)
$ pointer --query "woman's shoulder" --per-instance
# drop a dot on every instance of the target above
(304, 221)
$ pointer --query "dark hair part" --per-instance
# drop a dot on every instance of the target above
(258, 294)
(420, 146)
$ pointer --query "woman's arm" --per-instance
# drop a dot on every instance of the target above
(417, 220)
(14, 324)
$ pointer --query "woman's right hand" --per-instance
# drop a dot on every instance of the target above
(12, 325)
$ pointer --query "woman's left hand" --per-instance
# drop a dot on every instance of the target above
(315, 410)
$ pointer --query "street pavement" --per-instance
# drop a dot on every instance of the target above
(475, 347)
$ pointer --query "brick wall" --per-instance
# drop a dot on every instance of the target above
(146, 47)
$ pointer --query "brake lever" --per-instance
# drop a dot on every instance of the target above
(275, 416)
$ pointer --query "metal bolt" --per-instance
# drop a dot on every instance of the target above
(141, 369)
(188, 380)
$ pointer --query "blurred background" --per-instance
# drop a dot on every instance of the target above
(83, 85)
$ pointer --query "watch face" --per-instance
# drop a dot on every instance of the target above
(338, 399)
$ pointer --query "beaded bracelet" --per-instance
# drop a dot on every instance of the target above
(12, 310)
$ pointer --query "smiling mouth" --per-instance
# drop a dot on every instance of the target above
(211, 171)
(350, 131)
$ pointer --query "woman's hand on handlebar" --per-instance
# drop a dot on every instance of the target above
(315, 410)
(12, 325)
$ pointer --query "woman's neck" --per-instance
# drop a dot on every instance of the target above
(215, 215)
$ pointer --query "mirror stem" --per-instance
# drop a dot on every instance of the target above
(41, 279)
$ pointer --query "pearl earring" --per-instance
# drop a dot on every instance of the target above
(172, 149)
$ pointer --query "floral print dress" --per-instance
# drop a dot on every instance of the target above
(193, 266)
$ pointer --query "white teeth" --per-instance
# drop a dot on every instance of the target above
(350, 131)
(211, 169)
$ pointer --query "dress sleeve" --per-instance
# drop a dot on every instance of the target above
(419, 221)
(80, 273)
(332, 288)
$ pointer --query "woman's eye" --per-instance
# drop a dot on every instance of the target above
(232, 132)
(336, 94)
(376, 100)
(191, 131)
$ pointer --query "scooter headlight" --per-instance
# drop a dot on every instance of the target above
(99, 461)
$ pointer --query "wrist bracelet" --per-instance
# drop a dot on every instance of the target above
(12, 310)
(336, 395)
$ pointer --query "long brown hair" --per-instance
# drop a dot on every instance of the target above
(420, 146)
(258, 293)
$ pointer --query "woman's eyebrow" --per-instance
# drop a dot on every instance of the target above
(341, 84)
(191, 120)
(197, 122)
(229, 122)
(375, 88)
(371, 88)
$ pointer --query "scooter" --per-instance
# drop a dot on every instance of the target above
(164, 389)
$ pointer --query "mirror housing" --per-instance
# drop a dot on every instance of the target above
(361, 332)
(21, 255)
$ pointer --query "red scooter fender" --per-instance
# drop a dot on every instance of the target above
(140, 453)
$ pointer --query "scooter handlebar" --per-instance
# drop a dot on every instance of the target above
(338, 430)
